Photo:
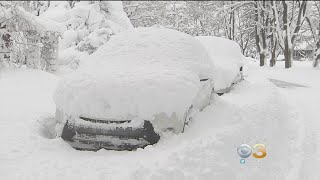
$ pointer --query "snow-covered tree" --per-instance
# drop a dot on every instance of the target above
(83, 27)
(262, 29)
(89, 25)
(266, 28)
(293, 16)
(28, 35)
(313, 19)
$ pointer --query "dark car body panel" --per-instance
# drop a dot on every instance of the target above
(93, 137)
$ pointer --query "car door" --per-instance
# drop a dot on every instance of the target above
(203, 97)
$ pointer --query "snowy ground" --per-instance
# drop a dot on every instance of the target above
(255, 111)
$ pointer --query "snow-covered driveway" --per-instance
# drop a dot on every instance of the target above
(306, 102)
(255, 111)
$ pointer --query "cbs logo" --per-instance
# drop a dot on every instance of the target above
(244, 151)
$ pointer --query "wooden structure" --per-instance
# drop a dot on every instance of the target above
(304, 48)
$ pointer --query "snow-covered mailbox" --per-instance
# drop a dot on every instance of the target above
(34, 40)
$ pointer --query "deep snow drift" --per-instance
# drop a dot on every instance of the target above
(137, 74)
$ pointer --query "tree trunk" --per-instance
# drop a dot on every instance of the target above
(287, 40)
(316, 60)
(287, 53)
(231, 23)
(257, 35)
(317, 55)
(233, 26)
(301, 16)
(265, 23)
(273, 50)
(273, 38)
(260, 34)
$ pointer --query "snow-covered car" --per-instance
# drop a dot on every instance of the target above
(228, 61)
(140, 84)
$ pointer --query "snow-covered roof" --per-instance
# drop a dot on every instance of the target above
(140, 72)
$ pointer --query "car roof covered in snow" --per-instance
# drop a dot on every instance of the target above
(222, 47)
(138, 73)
(226, 56)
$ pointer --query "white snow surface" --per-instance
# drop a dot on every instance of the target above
(227, 58)
(138, 74)
(255, 111)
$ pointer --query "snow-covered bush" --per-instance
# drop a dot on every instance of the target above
(89, 25)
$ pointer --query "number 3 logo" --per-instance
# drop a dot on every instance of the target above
(260, 151)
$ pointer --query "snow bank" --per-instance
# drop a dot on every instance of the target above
(88, 25)
(227, 58)
(32, 91)
(71, 57)
(137, 74)
(255, 112)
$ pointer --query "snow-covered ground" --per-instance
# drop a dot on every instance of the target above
(255, 111)
(304, 104)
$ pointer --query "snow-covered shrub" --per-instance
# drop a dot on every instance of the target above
(89, 25)
(94, 40)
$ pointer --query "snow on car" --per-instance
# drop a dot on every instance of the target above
(228, 60)
(141, 83)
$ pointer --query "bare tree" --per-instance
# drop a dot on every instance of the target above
(262, 28)
(266, 28)
(274, 42)
(292, 18)
(313, 18)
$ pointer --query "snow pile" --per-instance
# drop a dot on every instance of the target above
(138, 73)
(227, 58)
(32, 91)
(285, 120)
(89, 26)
